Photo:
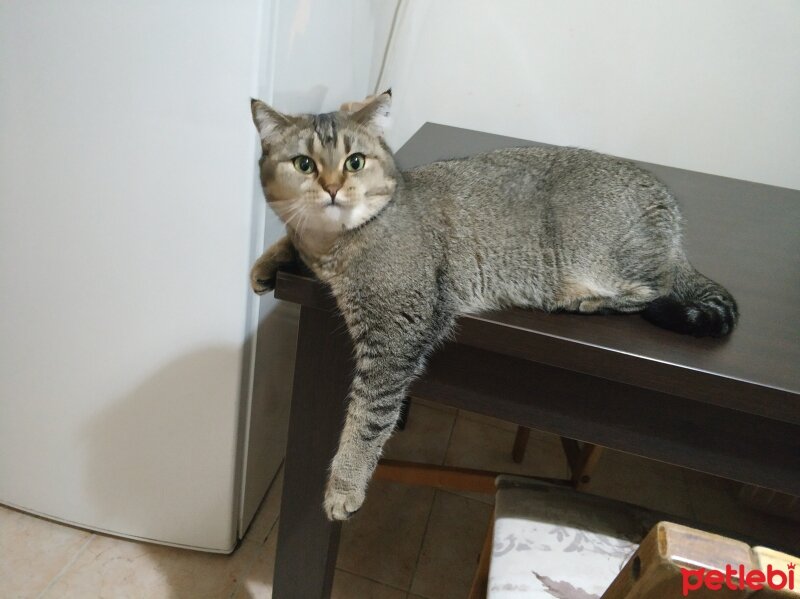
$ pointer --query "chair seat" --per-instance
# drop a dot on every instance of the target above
(551, 541)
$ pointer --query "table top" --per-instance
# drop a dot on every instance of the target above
(744, 235)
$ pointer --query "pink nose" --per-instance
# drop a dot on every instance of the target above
(332, 189)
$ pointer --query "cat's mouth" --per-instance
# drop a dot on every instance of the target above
(337, 202)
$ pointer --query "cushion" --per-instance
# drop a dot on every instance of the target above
(552, 541)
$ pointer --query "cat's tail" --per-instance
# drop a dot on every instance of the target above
(696, 305)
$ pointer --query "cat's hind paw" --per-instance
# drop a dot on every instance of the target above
(342, 503)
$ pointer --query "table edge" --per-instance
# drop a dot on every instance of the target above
(573, 355)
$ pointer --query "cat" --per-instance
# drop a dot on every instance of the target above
(405, 253)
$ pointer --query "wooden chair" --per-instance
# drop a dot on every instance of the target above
(652, 572)
(553, 541)
(449, 478)
(676, 561)
(464, 479)
(581, 458)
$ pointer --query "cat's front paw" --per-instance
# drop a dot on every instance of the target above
(262, 277)
(262, 286)
(341, 500)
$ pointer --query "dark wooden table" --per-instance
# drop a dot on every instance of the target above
(727, 407)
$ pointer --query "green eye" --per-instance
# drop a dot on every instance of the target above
(304, 164)
(355, 162)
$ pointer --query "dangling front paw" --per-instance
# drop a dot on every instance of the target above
(342, 500)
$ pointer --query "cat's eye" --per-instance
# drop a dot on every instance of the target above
(355, 162)
(304, 164)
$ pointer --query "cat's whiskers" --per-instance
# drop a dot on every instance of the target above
(295, 212)
(304, 222)
(298, 224)
(297, 217)
(378, 192)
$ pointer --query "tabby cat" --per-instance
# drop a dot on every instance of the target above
(405, 253)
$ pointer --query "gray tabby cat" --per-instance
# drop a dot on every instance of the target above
(405, 253)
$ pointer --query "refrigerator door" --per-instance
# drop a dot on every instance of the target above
(126, 198)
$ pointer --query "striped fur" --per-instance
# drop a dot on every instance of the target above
(406, 253)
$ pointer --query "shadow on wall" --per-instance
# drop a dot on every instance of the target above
(159, 460)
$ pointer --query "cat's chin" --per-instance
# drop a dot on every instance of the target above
(343, 217)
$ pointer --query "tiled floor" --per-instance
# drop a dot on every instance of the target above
(406, 543)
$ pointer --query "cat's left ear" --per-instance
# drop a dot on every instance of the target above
(376, 114)
(268, 121)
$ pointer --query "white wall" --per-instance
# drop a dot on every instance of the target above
(325, 52)
(710, 85)
(126, 184)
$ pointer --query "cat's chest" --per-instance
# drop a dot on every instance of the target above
(327, 262)
(313, 244)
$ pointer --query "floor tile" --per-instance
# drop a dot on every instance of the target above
(433, 404)
(257, 580)
(452, 545)
(350, 586)
(425, 437)
(487, 498)
(111, 567)
(504, 424)
(475, 444)
(647, 483)
(383, 540)
(267, 514)
(33, 551)
(715, 502)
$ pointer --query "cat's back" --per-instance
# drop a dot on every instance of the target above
(533, 176)
(508, 166)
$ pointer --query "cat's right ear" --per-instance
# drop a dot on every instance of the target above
(268, 121)
(375, 112)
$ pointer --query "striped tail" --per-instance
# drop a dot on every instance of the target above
(696, 306)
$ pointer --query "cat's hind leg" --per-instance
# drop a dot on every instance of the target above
(610, 305)
(625, 297)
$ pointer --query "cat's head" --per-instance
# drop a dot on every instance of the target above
(326, 173)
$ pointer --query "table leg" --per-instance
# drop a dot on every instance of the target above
(307, 541)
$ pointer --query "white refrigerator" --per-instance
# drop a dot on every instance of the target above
(126, 228)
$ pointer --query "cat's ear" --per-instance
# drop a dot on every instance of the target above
(267, 120)
(376, 113)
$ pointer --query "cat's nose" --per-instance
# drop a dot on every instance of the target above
(332, 188)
